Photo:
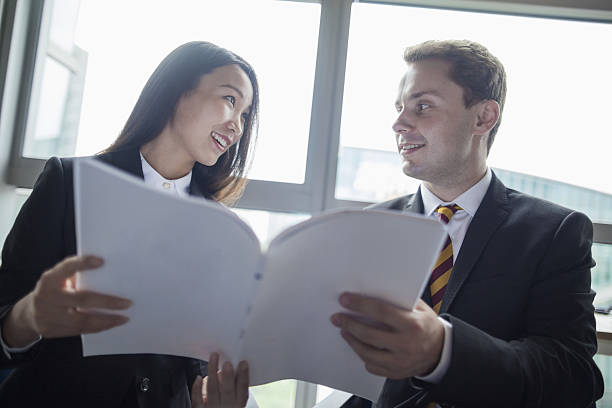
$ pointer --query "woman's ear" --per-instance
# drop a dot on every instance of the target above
(487, 116)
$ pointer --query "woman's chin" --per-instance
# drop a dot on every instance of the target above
(208, 161)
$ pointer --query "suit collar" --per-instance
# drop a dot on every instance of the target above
(414, 203)
(128, 160)
(492, 212)
(125, 159)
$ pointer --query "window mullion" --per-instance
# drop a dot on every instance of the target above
(21, 66)
(327, 101)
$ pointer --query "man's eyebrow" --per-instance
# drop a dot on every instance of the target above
(234, 88)
(428, 92)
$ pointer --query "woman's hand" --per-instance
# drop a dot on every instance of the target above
(54, 307)
(221, 389)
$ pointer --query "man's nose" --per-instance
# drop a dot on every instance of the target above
(402, 124)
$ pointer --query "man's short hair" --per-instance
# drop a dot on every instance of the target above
(473, 67)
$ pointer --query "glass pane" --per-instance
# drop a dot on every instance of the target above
(55, 83)
(267, 225)
(279, 394)
(278, 38)
(323, 392)
(553, 132)
(605, 365)
(63, 23)
(601, 274)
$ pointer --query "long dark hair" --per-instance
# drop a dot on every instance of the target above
(178, 74)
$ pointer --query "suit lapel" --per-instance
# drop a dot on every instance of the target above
(491, 213)
(415, 205)
(127, 160)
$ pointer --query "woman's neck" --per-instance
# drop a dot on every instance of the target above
(168, 159)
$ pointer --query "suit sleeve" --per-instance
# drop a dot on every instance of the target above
(34, 244)
(552, 364)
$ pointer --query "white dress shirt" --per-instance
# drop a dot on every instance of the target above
(458, 225)
(152, 178)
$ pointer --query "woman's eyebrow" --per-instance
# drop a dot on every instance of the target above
(234, 88)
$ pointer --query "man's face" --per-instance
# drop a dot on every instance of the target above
(434, 129)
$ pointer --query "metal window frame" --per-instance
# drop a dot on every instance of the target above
(20, 54)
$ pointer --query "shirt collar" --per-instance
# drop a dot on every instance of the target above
(152, 177)
(469, 200)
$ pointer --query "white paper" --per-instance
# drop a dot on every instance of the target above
(384, 254)
(191, 267)
(189, 276)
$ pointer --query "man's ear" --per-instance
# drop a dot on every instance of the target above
(487, 115)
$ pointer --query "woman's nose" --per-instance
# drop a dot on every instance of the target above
(235, 125)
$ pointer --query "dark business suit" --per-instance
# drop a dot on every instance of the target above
(520, 303)
(54, 373)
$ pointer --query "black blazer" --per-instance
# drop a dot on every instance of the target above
(520, 303)
(54, 373)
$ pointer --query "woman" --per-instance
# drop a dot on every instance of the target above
(190, 132)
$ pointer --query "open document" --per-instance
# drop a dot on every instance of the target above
(201, 282)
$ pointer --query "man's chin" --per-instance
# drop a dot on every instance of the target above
(414, 172)
(409, 170)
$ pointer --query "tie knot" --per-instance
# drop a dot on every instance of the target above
(446, 212)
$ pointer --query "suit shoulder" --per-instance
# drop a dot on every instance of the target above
(398, 203)
(532, 207)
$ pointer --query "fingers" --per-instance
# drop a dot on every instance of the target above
(56, 309)
(366, 352)
(197, 395)
(227, 388)
(69, 266)
(373, 308)
(242, 383)
(61, 322)
(93, 300)
(94, 322)
(373, 335)
(227, 391)
(409, 343)
(212, 384)
(204, 383)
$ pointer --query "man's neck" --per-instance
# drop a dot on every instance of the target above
(448, 193)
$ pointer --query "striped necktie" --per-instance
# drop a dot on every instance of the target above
(444, 264)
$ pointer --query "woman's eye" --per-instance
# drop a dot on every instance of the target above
(231, 99)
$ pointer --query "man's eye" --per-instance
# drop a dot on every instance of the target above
(231, 99)
(421, 107)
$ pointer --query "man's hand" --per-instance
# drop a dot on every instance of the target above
(393, 342)
(221, 389)
(56, 309)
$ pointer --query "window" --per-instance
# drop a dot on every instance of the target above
(55, 104)
(555, 107)
(88, 76)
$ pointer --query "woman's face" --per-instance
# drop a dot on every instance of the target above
(211, 118)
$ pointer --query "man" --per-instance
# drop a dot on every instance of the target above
(512, 286)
